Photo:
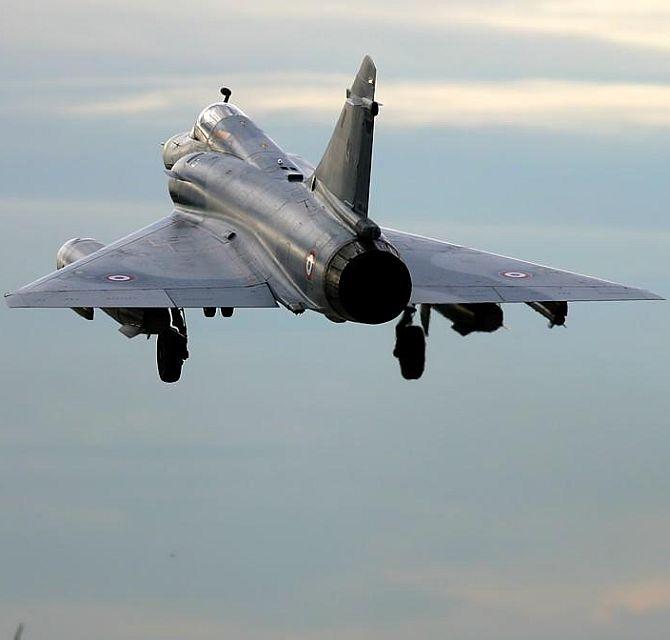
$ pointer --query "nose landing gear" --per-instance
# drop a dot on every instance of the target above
(172, 347)
(410, 346)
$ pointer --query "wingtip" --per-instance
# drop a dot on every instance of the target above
(649, 295)
(11, 299)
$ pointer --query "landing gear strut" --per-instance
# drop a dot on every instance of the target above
(410, 346)
(171, 347)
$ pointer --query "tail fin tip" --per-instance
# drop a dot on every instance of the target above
(365, 80)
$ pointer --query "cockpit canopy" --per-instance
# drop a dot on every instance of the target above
(211, 116)
(224, 128)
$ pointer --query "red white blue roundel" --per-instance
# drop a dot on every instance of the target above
(120, 277)
(515, 275)
(309, 264)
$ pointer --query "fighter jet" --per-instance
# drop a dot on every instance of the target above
(255, 226)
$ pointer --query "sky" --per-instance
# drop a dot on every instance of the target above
(292, 486)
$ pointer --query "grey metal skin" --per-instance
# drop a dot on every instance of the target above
(254, 226)
(228, 171)
(312, 247)
(132, 321)
(285, 222)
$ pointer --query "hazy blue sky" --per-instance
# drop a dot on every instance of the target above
(293, 486)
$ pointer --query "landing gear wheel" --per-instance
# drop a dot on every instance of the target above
(171, 352)
(410, 349)
(226, 312)
(209, 312)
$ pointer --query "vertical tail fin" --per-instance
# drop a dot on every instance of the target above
(345, 167)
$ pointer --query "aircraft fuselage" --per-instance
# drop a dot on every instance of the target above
(313, 252)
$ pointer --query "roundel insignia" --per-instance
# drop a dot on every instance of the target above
(119, 277)
(309, 264)
(515, 275)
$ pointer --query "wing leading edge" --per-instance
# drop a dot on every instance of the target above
(444, 273)
(171, 263)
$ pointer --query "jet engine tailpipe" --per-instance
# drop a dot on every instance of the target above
(369, 284)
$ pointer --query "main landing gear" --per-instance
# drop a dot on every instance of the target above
(410, 346)
(466, 318)
(172, 347)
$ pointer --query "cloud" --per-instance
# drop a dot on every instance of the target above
(587, 601)
(474, 602)
(636, 599)
(535, 103)
(645, 24)
(641, 25)
(482, 591)
(66, 25)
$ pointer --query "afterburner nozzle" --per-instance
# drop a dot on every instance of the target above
(370, 285)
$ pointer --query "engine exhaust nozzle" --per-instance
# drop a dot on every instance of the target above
(368, 284)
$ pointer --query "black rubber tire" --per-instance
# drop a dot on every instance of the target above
(226, 312)
(410, 349)
(170, 347)
(209, 312)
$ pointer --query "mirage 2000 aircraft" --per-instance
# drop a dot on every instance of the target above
(254, 226)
